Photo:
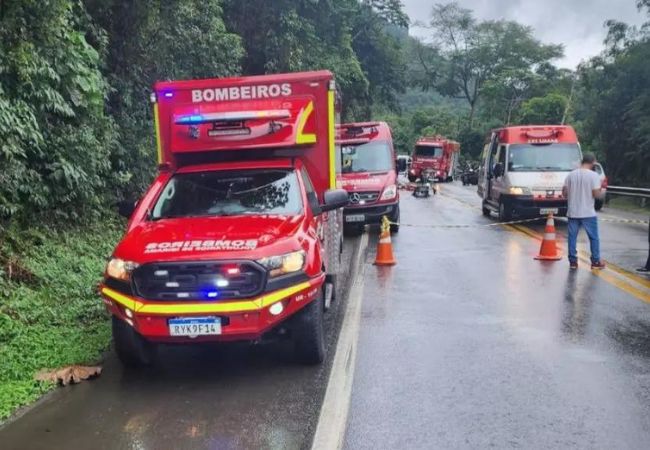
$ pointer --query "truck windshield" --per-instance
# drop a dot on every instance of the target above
(370, 157)
(228, 193)
(427, 151)
(548, 157)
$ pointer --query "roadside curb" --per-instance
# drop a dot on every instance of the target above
(332, 421)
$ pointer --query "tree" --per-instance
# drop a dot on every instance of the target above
(478, 53)
(55, 137)
(547, 110)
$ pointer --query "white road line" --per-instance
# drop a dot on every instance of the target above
(333, 418)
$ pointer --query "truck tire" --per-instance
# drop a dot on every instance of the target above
(486, 211)
(394, 227)
(598, 204)
(132, 349)
(353, 230)
(412, 178)
(309, 333)
(505, 214)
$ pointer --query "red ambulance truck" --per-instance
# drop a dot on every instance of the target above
(239, 236)
(437, 155)
(368, 174)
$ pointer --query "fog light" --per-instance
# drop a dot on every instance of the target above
(276, 308)
(128, 313)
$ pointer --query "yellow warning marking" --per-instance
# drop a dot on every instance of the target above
(623, 284)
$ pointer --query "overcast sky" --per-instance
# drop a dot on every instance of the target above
(578, 24)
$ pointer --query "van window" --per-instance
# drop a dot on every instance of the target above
(502, 155)
(369, 157)
(540, 158)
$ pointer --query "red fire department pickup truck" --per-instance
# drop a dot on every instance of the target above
(239, 236)
(436, 155)
(368, 174)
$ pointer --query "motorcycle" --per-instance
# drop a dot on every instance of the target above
(425, 185)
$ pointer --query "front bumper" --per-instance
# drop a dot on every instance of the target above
(241, 319)
(529, 206)
(372, 214)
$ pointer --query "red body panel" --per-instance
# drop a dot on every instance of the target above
(532, 134)
(358, 134)
(266, 122)
(442, 166)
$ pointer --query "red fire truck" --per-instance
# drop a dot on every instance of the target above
(436, 155)
(368, 174)
(239, 236)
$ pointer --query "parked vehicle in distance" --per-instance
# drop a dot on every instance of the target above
(600, 201)
(523, 169)
(437, 153)
(369, 170)
(239, 236)
(469, 176)
(404, 161)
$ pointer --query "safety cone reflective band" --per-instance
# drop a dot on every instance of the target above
(385, 247)
(548, 250)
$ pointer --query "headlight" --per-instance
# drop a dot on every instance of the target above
(120, 269)
(389, 193)
(514, 190)
(283, 264)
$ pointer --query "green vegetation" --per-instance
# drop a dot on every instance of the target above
(76, 132)
(50, 314)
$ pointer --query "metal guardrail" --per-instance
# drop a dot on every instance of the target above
(629, 191)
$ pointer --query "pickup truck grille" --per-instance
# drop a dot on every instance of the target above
(202, 280)
(366, 197)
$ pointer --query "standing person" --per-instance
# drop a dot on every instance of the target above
(581, 188)
(646, 269)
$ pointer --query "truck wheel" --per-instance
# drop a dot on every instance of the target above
(485, 209)
(598, 205)
(353, 230)
(309, 332)
(505, 214)
(394, 227)
(132, 349)
(412, 178)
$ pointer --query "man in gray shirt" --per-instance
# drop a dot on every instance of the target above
(581, 187)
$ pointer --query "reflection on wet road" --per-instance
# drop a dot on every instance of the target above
(470, 343)
(209, 397)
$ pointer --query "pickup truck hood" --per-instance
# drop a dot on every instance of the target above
(206, 237)
(373, 181)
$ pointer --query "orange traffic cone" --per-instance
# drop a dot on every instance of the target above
(548, 250)
(385, 247)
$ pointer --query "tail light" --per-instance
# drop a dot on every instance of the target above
(603, 185)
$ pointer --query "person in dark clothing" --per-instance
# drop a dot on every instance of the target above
(646, 268)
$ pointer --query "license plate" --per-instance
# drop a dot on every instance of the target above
(544, 211)
(355, 218)
(195, 326)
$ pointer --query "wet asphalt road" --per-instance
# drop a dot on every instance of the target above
(209, 397)
(470, 343)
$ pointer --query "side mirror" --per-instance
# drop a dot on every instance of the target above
(334, 199)
(498, 170)
(125, 208)
(401, 165)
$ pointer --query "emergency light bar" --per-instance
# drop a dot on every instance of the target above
(357, 129)
(233, 116)
(541, 134)
(353, 141)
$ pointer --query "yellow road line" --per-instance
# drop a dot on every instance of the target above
(624, 285)
(643, 281)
